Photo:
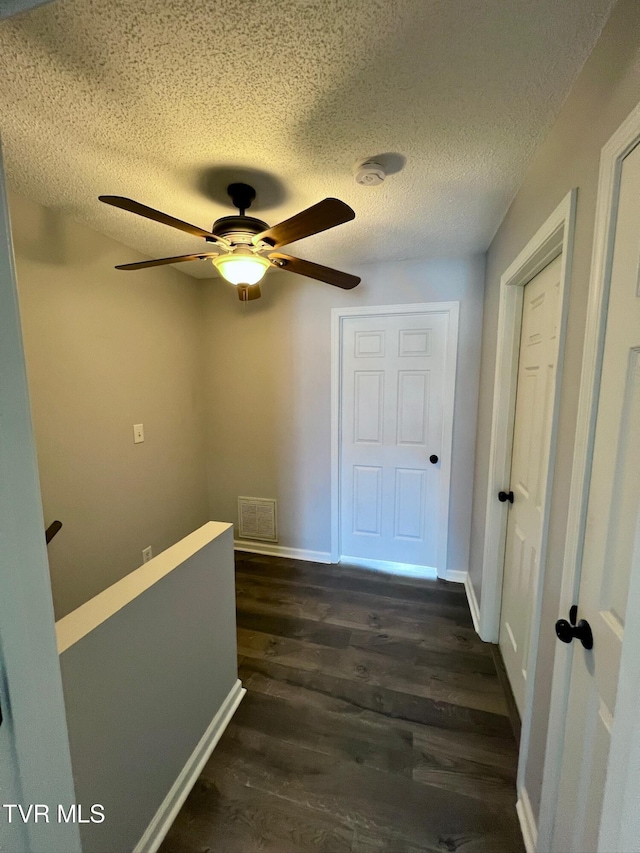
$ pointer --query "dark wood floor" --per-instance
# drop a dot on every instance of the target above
(374, 722)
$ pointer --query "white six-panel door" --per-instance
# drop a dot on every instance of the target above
(531, 446)
(611, 550)
(395, 407)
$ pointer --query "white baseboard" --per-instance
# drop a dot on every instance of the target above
(474, 607)
(454, 576)
(271, 550)
(527, 821)
(403, 569)
(172, 803)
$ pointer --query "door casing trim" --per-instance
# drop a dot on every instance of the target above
(338, 315)
(613, 153)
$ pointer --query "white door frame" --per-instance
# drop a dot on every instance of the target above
(338, 315)
(30, 681)
(619, 812)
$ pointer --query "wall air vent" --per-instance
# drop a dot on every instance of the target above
(257, 519)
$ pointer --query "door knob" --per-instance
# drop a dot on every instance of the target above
(566, 631)
(433, 459)
(505, 496)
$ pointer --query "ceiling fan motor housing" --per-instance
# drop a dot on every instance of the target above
(235, 228)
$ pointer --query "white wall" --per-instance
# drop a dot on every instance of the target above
(268, 387)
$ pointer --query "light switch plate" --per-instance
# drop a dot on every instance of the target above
(138, 433)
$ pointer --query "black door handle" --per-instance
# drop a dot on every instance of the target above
(566, 631)
(433, 459)
(505, 496)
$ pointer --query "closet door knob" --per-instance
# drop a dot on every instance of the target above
(566, 631)
(505, 496)
(433, 459)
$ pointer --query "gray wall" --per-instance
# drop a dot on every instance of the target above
(104, 350)
(143, 686)
(268, 386)
(605, 92)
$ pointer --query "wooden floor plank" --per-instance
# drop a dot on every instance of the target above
(433, 631)
(364, 842)
(244, 820)
(374, 722)
(388, 703)
(358, 797)
(473, 690)
(435, 763)
(344, 576)
(292, 720)
(306, 630)
(366, 609)
(491, 746)
(439, 602)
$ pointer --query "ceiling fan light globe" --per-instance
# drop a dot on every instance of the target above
(241, 269)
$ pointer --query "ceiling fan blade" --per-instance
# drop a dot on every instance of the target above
(313, 220)
(340, 279)
(157, 216)
(247, 292)
(141, 265)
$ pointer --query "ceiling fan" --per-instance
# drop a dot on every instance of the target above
(246, 247)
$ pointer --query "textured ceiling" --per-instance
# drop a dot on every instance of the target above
(167, 101)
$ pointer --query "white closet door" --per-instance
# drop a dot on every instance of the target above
(530, 459)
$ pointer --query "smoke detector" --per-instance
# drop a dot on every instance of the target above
(369, 173)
